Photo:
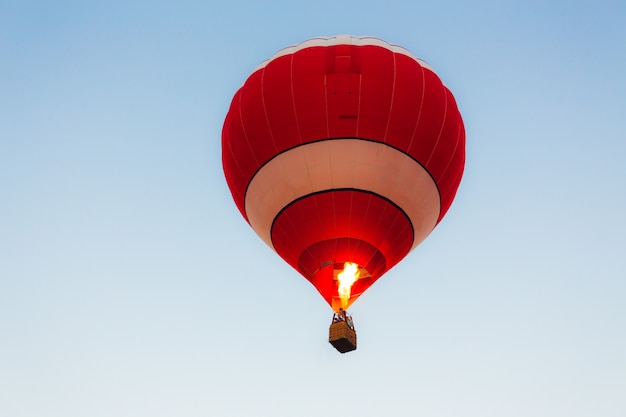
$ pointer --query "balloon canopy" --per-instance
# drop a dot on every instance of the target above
(343, 150)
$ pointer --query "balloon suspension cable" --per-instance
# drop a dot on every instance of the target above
(344, 316)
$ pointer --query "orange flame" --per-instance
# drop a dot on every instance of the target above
(346, 279)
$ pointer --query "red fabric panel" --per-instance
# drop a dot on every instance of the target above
(278, 104)
(309, 93)
(377, 78)
(343, 104)
(430, 120)
(324, 283)
(408, 97)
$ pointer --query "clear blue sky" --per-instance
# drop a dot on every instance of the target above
(131, 286)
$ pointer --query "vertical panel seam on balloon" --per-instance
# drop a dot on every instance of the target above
(419, 114)
(245, 134)
(293, 98)
(350, 216)
(456, 147)
(326, 103)
(358, 108)
(393, 92)
(267, 119)
(327, 242)
(458, 176)
(367, 209)
(444, 210)
(395, 220)
(443, 123)
(230, 149)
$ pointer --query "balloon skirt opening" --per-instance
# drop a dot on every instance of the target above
(342, 337)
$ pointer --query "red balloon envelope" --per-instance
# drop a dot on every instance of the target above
(343, 149)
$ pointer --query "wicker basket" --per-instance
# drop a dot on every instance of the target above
(342, 336)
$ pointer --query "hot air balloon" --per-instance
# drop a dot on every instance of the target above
(343, 154)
